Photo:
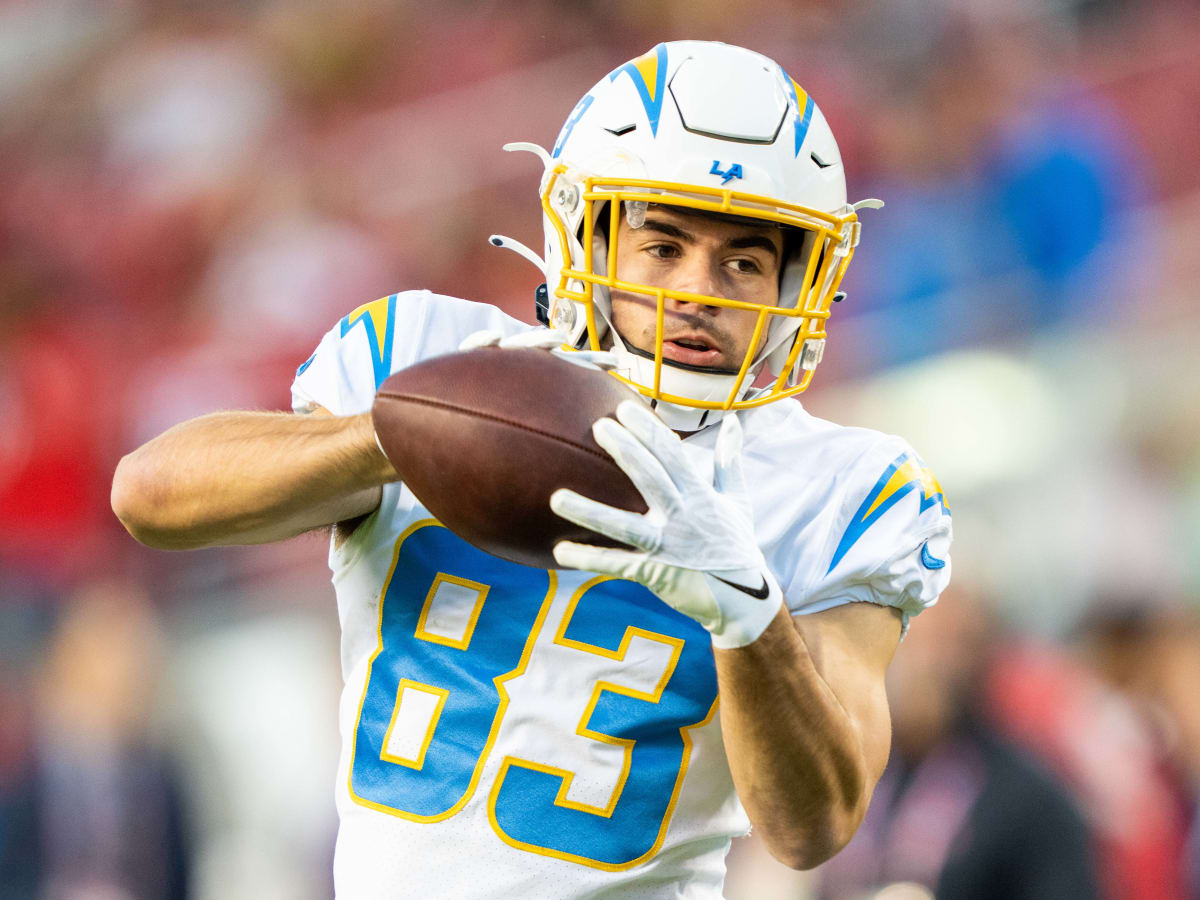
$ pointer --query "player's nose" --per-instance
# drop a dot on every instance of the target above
(697, 274)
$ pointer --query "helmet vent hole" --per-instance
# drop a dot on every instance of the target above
(821, 164)
(623, 130)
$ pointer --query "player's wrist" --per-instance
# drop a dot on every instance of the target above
(378, 467)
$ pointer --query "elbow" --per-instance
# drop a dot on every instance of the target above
(815, 846)
(137, 501)
(823, 827)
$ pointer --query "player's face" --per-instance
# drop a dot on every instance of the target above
(700, 255)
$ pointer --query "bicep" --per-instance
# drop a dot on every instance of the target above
(851, 647)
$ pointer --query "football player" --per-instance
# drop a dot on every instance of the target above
(606, 728)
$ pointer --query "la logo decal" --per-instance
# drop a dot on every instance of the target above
(734, 171)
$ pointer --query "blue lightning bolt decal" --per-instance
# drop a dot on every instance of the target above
(649, 76)
(378, 319)
(905, 474)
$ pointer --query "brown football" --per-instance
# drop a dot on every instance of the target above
(484, 437)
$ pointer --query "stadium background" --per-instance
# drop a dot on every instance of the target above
(191, 193)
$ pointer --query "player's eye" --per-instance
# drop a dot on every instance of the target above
(744, 265)
(663, 251)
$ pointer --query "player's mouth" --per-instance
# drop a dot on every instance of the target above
(692, 349)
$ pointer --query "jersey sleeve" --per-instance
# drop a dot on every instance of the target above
(887, 539)
(358, 354)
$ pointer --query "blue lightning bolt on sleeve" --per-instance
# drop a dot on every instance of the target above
(889, 537)
(352, 360)
(381, 337)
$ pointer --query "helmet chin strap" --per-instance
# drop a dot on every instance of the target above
(507, 243)
(638, 366)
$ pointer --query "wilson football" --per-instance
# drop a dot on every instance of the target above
(483, 437)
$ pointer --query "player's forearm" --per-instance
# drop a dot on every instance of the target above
(247, 478)
(796, 756)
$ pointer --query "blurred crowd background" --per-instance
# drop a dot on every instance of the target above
(191, 193)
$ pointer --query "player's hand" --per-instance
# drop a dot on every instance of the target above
(541, 339)
(695, 546)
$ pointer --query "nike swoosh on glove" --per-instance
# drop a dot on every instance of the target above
(694, 547)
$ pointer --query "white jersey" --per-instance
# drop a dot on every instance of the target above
(515, 732)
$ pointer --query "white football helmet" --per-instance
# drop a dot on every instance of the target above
(711, 128)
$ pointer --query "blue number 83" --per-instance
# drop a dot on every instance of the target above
(435, 698)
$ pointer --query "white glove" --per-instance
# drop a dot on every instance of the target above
(541, 339)
(695, 544)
